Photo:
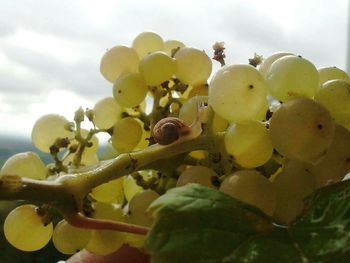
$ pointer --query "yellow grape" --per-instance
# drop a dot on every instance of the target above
(251, 187)
(130, 90)
(127, 133)
(157, 67)
(219, 124)
(147, 42)
(249, 143)
(334, 95)
(47, 129)
(104, 242)
(197, 174)
(267, 62)
(189, 110)
(138, 206)
(193, 66)
(237, 92)
(68, 239)
(336, 162)
(130, 187)
(199, 90)
(292, 76)
(292, 185)
(24, 229)
(111, 192)
(27, 164)
(330, 73)
(302, 130)
(171, 45)
(107, 112)
(117, 61)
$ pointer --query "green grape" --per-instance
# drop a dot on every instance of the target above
(144, 141)
(237, 92)
(261, 114)
(219, 124)
(68, 239)
(130, 187)
(335, 164)
(334, 95)
(127, 133)
(24, 229)
(147, 42)
(117, 61)
(135, 240)
(130, 90)
(171, 45)
(251, 187)
(292, 185)
(189, 110)
(198, 90)
(193, 66)
(107, 112)
(290, 77)
(104, 242)
(111, 192)
(27, 164)
(249, 143)
(197, 174)
(157, 67)
(267, 62)
(47, 129)
(138, 206)
(301, 129)
(331, 73)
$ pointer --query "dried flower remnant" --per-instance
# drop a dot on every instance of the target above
(219, 52)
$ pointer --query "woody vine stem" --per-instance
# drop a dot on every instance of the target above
(67, 193)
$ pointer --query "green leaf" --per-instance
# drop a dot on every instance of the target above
(199, 224)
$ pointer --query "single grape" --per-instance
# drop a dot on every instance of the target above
(237, 92)
(193, 66)
(199, 90)
(267, 62)
(219, 124)
(251, 187)
(189, 110)
(334, 95)
(47, 129)
(130, 90)
(147, 42)
(138, 206)
(330, 73)
(111, 192)
(130, 187)
(107, 112)
(117, 61)
(27, 164)
(171, 45)
(68, 239)
(292, 185)
(197, 174)
(25, 230)
(249, 143)
(127, 133)
(157, 67)
(302, 130)
(336, 162)
(104, 242)
(292, 76)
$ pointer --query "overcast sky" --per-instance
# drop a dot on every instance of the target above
(50, 50)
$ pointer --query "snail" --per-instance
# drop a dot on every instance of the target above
(172, 129)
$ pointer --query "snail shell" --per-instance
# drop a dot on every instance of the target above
(169, 130)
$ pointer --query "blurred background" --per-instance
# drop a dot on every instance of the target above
(50, 51)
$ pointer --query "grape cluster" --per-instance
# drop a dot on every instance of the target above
(284, 126)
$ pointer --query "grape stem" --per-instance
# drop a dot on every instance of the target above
(68, 191)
